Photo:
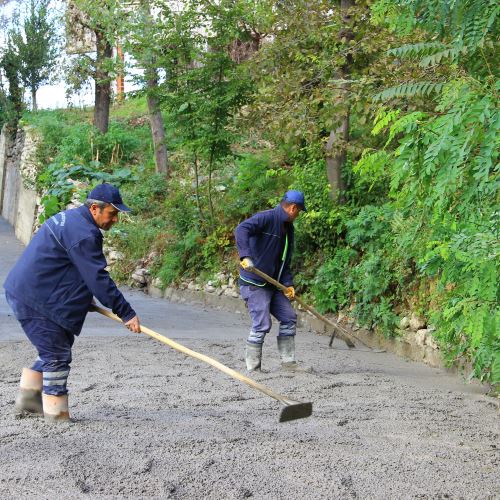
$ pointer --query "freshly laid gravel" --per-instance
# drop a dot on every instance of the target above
(152, 423)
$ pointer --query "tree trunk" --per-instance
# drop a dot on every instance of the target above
(102, 83)
(34, 107)
(336, 147)
(335, 160)
(197, 186)
(155, 116)
(157, 125)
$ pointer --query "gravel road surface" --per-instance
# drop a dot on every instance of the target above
(150, 422)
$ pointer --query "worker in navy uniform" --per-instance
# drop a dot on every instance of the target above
(52, 287)
(265, 241)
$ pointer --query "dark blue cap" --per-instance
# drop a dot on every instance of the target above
(108, 194)
(295, 197)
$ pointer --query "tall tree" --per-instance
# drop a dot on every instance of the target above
(11, 65)
(103, 20)
(142, 43)
(312, 83)
(36, 45)
(204, 88)
(102, 78)
(337, 144)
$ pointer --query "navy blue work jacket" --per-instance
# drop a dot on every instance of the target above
(267, 238)
(62, 267)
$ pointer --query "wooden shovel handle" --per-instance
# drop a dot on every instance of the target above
(202, 357)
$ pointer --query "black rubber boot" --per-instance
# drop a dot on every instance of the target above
(286, 348)
(253, 356)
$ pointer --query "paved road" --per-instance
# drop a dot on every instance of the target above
(152, 423)
(174, 320)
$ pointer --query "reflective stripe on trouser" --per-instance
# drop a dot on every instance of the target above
(287, 329)
(261, 304)
(54, 383)
(256, 337)
(52, 342)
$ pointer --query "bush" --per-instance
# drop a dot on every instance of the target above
(253, 187)
(364, 274)
(330, 286)
(180, 256)
(55, 182)
(84, 143)
(72, 150)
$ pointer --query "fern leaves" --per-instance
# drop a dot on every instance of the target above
(416, 50)
(465, 28)
(410, 89)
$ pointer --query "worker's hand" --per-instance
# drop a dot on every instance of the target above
(247, 263)
(92, 306)
(290, 293)
(133, 325)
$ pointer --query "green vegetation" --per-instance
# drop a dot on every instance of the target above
(29, 56)
(385, 114)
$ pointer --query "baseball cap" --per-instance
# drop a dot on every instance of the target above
(295, 197)
(109, 194)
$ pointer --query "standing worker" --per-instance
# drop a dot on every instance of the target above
(265, 241)
(51, 289)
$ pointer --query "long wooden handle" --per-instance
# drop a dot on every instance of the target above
(202, 357)
(343, 335)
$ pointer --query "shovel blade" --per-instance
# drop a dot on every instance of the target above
(295, 411)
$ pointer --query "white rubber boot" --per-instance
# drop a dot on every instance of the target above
(29, 397)
(55, 408)
(253, 356)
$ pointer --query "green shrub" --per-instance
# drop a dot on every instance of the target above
(84, 143)
(182, 210)
(254, 186)
(147, 196)
(363, 274)
(372, 282)
(180, 256)
(55, 181)
(321, 225)
(330, 286)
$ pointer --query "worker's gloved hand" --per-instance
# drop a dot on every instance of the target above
(134, 325)
(247, 263)
(290, 293)
(93, 306)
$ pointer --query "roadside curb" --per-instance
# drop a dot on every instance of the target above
(404, 346)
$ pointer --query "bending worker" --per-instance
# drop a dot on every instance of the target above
(51, 289)
(265, 241)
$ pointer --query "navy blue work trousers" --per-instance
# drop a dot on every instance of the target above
(52, 342)
(262, 302)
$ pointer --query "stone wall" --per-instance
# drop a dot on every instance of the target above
(414, 343)
(4, 144)
(414, 340)
(18, 168)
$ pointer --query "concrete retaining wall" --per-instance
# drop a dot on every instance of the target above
(3, 157)
(18, 198)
